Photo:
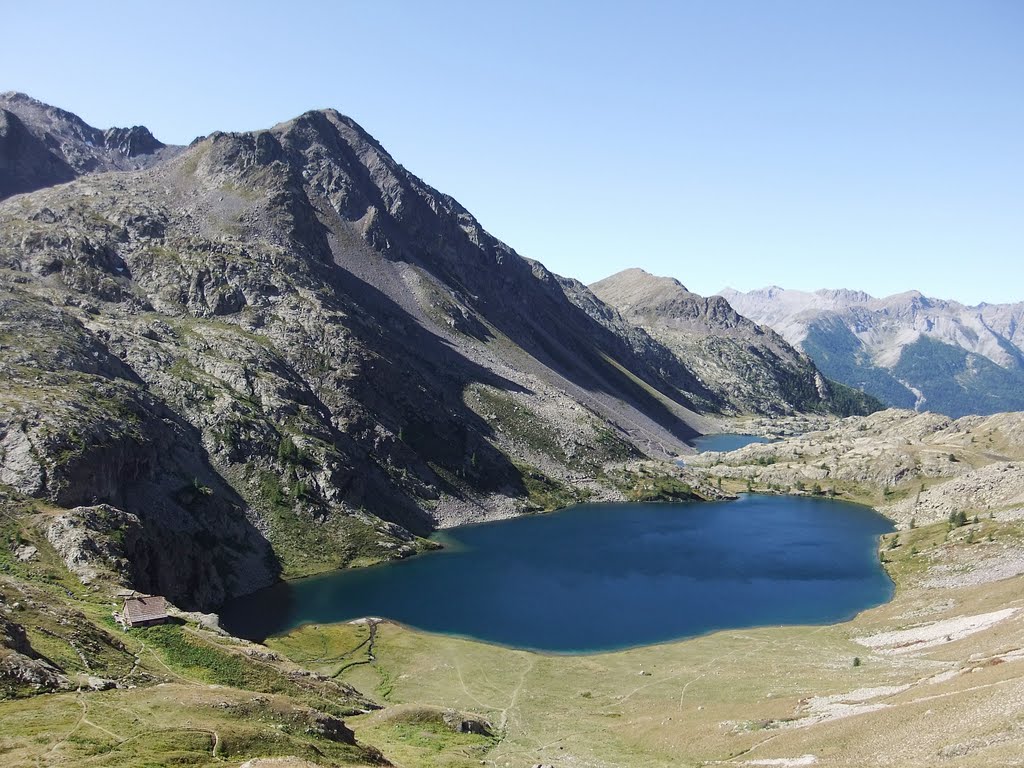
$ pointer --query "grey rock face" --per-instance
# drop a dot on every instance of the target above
(21, 665)
(26, 163)
(42, 145)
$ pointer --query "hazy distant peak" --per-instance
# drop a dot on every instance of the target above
(963, 359)
(844, 295)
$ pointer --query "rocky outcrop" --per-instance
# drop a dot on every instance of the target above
(910, 466)
(329, 727)
(26, 163)
(460, 722)
(131, 142)
(997, 486)
(97, 542)
(21, 666)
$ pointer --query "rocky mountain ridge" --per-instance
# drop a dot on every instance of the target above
(909, 350)
(41, 145)
(756, 369)
(296, 355)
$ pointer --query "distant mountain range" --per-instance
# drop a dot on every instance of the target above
(908, 350)
(281, 352)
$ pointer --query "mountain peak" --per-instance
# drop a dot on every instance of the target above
(640, 282)
(51, 146)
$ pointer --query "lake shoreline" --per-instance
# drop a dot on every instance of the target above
(666, 551)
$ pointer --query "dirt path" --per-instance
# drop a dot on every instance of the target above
(515, 695)
(462, 684)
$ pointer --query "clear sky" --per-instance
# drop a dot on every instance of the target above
(869, 144)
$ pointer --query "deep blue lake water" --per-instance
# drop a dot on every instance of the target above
(726, 442)
(607, 576)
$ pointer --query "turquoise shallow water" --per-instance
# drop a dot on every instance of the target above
(726, 442)
(607, 576)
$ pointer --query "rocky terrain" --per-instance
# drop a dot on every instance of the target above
(42, 145)
(279, 352)
(908, 350)
(922, 467)
(296, 355)
(754, 368)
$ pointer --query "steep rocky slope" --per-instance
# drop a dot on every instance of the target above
(750, 367)
(296, 354)
(908, 350)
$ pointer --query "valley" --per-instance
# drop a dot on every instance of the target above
(277, 354)
(934, 675)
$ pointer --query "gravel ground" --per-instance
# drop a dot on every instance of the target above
(933, 633)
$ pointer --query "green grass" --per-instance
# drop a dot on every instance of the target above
(173, 724)
(546, 494)
(198, 659)
(518, 422)
(418, 736)
(325, 648)
(647, 484)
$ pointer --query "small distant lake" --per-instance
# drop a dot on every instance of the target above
(726, 442)
(599, 577)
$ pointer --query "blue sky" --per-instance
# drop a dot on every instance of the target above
(870, 145)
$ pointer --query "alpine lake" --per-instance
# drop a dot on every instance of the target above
(726, 442)
(600, 577)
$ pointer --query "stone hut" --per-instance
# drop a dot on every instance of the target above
(144, 611)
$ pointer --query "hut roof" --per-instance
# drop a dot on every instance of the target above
(138, 609)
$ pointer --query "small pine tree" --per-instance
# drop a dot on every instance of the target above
(856, 661)
(287, 451)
